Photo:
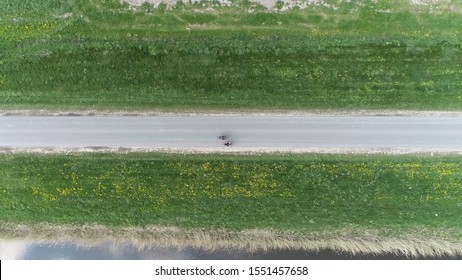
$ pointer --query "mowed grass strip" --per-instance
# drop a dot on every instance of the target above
(103, 55)
(297, 193)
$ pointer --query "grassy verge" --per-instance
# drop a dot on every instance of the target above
(303, 194)
(103, 55)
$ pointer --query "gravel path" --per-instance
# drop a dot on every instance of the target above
(271, 4)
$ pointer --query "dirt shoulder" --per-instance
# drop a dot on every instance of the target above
(224, 150)
(288, 113)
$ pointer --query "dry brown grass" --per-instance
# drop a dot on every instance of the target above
(415, 243)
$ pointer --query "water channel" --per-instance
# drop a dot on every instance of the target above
(30, 250)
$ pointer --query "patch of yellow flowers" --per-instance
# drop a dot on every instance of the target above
(217, 180)
(184, 181)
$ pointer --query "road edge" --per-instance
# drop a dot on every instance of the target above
(288, 113)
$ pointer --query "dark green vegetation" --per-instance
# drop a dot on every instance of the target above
(302, 193)
(78, 54)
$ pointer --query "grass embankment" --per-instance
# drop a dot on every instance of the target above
(76, 55)
(304, 194)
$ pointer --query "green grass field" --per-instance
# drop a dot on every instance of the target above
(103, 55)
(297, 193)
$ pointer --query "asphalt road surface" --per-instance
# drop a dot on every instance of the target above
(393, 132)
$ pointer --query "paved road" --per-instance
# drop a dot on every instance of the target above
(432, 133)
